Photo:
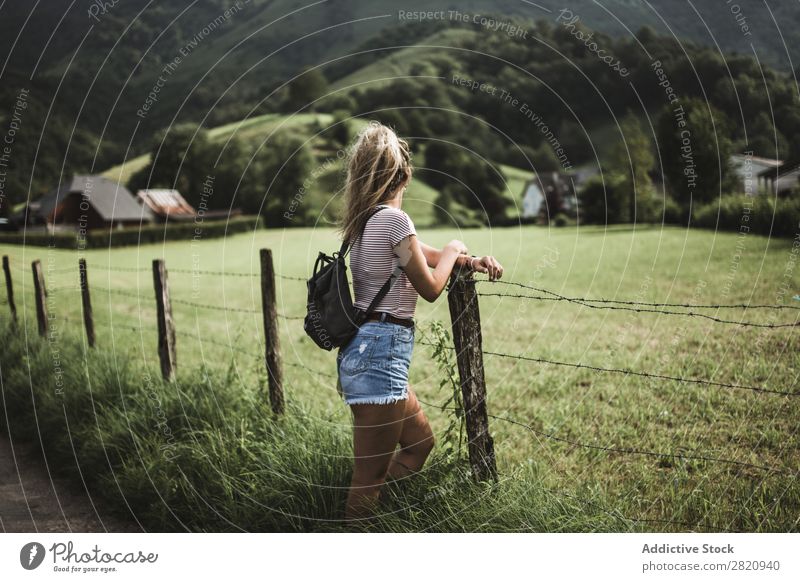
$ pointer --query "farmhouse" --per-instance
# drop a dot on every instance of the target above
(166, 204)
(749, 170)
(780, 181)
(88, 202)
(549, 193)
(532, 199)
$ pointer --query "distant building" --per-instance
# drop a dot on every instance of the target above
(780, 181)
(750, 169)
(549, 193)
(86, 202)
(532, 199)
(166, 204)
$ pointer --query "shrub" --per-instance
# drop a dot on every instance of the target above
(150, 233)
(761, 214)
(561, 219)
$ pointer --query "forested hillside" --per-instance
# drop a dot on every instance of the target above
(144, 66)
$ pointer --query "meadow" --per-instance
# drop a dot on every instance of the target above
(205, 453)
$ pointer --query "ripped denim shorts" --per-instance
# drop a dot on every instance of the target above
(373, 367)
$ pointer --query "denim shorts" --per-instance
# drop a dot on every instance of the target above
(373, 367)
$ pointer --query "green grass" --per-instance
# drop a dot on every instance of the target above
(546, 484)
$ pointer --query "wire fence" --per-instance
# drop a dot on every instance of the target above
(647, 307)
(557, 297)
(627, 450)
(643, 307)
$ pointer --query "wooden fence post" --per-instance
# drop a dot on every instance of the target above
(466, 322)
(40, 291)
(272, 352)
(88, 319)
(166, 324)
(10, 290)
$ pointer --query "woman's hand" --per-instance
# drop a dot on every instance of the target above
(488, 264)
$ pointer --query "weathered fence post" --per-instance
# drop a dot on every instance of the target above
(40, 291)
(466, 321)
(10, 290)
(272, 352)
(86, 300)
(166, 325)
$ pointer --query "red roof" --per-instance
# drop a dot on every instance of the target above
(166, 202)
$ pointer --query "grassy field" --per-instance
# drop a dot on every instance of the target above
(542, 477)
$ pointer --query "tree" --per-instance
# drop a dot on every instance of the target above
(339, 130)
(283, 167)
(472, 182)
(180, 158)
(600, 202)
(305, 89)
(545, 160)
(632, 160)
(695, 151)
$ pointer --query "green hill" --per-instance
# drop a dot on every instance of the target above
(234, 65)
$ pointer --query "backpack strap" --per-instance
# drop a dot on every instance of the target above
(383, 291)
(346, 245)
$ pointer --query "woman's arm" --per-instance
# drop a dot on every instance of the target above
(415, 262)
(432, 256)
(487, 264)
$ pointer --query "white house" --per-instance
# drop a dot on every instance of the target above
(553, 188)
(780, 181)
(752, 170)
(532, 199)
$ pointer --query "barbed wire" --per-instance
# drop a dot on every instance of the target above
(582, 300)
(231, 274)
(26, 269)
(229, 346)
(627, 450)
(215, 273)
(643, 452)
(228, 309)
(107, 325)
(641, 310)
(213, 307)
(291, 317)
(62, 288)
(124, 293)
(119, 269)
(254, 354)
(187, 271)
(312, 370)
(126, 327)
(549, 436)
(59, 271)
(630, 372)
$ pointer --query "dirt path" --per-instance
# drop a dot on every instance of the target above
(31, 502)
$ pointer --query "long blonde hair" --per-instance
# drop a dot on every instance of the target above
(378, 165)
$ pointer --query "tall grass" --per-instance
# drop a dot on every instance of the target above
(206, 454)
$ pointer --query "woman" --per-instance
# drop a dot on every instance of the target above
(373, 367)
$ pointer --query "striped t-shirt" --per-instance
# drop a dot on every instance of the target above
(373, 259)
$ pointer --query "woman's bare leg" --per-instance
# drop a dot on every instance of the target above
(416, 440)
(376, 432)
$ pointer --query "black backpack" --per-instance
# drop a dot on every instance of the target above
(331, 319)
